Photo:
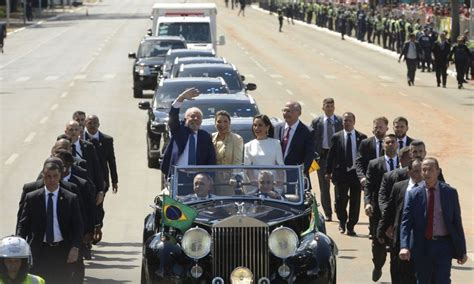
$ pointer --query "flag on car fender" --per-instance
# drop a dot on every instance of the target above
(314, 166)
(314, 221)
(177, 215)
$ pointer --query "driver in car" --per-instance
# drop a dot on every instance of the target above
(202, 186)
(265, 185)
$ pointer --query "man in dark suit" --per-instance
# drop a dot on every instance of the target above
(401, 271)
(375, 172)
(86, 151)
(431, 229)
(51, 220)
(296, 138)
(441, 50)
(341, 170)
(411, 53)
(183, 149)
(400, 127)
(104, 145)
(371, 148)
(324, 128)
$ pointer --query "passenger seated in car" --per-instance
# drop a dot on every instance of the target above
(266, 185)
(202, 186)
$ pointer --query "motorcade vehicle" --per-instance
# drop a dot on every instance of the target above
(192, 60)
(228, 72)
(158, 109)
(237, 224)
(149, 60)
(181, 53)
(196, 22)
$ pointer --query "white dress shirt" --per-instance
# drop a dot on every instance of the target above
(57, 231)
(326, 139)
(387, 162)
(377, 146)
(78, 148)
(411, 54)
(411, 184)
(404, 139)
(93, 136)
(183, 160)
(354, 147)
(292, 132)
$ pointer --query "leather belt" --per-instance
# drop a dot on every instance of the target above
(55, 244)
(439, 238)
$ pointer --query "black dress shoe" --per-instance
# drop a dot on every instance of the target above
(409, 83)
(328, 219)
(439, 85)
(351, 232)
(376, 274)
(342, 229)
(444, 86)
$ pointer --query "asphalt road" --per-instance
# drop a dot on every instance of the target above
(79, 61)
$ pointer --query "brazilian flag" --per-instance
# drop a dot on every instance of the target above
(314, 221)
(177, 215)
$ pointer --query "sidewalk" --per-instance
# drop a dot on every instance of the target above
(17, 22)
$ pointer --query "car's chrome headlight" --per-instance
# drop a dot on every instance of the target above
(196, 243)
(142, 69)
(283, 242)
(241, 275)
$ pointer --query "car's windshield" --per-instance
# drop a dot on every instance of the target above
(167, 93)
(231, 77)
(158, 48)
(282, 184)
(210, 107)
(192, 32)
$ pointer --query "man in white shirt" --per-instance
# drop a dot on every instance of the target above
(412, 53)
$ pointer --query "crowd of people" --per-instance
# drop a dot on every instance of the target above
(391, 28)
(61, 213)
(398, 181)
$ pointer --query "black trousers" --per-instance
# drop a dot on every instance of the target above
(348, 191)
(411, 68)
(324, 186)
(50, 264)
(460, 70)
(379, 251)
(441, 72)
(401, 271)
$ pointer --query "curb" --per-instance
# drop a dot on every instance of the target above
(364, 44)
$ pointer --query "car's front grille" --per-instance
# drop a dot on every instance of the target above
(155, 69)
(240, 241)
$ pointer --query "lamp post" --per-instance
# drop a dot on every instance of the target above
(454, 20)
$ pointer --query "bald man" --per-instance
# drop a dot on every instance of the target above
(189, 145)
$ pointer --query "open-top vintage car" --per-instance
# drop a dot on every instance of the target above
(237, 224)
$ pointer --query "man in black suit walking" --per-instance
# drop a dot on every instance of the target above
(411, 53)
(401, 271)
(341, 170)
(51, 220)
(324, 128)
(441, 50)
(400, 127)
(104, 145)
(375, 171)
(297, 139)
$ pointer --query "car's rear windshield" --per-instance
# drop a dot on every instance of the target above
(158, 48)
(192, 32)
(231, 77)
(167, 93)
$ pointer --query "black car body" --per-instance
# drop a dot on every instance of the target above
(192, 60)
(181, 53)
(240, 234)
(167, 91)
(149, 60)
(228, 72)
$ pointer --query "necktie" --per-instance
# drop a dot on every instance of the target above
(50, 220)
(390, 163)
(192, 150)
(430, 214)
(400, 144)
(73, 151)
(284, 142)
(381, 151)
(349, 161)
(329, 130)
(416, 185)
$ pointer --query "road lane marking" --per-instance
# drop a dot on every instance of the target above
(109, 76)
(71, 84)
(1, 79)
(55, 106)
(356, 76)
(403, 94)
(301, 103)
(383, 85)
(258, 64)
(30, 137)
(249, 76)
(330, 77)
(246, 52)
(427, 105)
(276, 76)
(43, 120)
(51, 78)
(279, 83)
(386, 78)
(289, 92)
(305, 76)
(322, 54)
(80, 77)
(11, 159)
(63, 95)
(23, 79)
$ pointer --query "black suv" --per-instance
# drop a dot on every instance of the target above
(167, 91)
(149, 60)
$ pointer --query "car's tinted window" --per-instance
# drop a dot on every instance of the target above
(231, 77)
(169, 60)
(167, 93)
(209, 109)
(158, 48)
(192, 32)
